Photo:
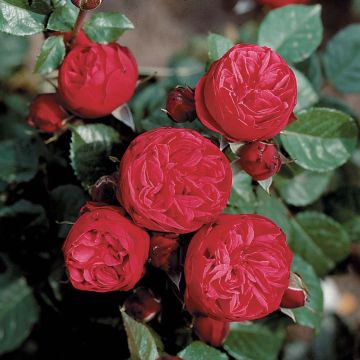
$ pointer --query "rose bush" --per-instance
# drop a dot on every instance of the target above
(248, 94)
(46, 113)
(237, 268)
(104, 251)
(173, 180)
(94, 80)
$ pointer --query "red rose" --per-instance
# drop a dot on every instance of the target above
(211, 331)
(163, 251)
(237, 268)
(249, 94)
(260, 160)
(180, 105)
(142, 305)
(280, 3)
(104, 251)
(95, 80)
(173, 180)
(46, 113)
(296, 294)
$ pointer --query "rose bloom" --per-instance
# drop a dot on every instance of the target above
(95, 80)
(260, 160)
(280, 3)
(211, 331)
(46, 113)
(173, 180)
(104, 251)
(249, 94)
(237, 268)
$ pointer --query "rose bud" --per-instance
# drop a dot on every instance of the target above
(104, 251)
(248, 94)
(180, 105)
(296, 294)
(87, 4)
(104, 190)
(142, 305)
(163, 251)
(237, 268)
(260, 160)
(280, 3)
(46, 113)
(211, 331)
(97, 79)
(173, 180)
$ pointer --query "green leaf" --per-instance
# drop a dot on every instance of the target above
(19, 159)
(337, 104)
(321, 139)
(273, 208)
(107, 27)
(242, 197)
(293, 31)
(311, 68)
(66, 201)
(13, 51)
(311, 314)
(197, 350)
(307, 96)
(92, 144)
(344, 206)
(18, 311)
(51, 55)
(63, 18)
(342, 60)
(17, 18)
(303, 188)
(141, 343)
(253, 342)
(218, 46)
(319, 240)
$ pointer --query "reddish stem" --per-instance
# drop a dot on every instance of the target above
(78, 25)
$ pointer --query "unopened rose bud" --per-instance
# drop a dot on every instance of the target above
(46, 113)
(104, 190)
(87, 4)
(296, 294)
(142, 305)
(260, 160)
(211, 331)
(163, 251)
(180, 105)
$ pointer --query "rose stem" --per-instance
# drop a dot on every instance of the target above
(78, 24)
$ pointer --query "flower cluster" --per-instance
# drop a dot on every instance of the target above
(175, 181)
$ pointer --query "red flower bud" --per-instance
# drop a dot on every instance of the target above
(46, 113)
(104, 190)
(211, 331)
(180, 104)
(142, 305)
(260, 160)
(163, 251)
(87, 4)
(296, 294)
